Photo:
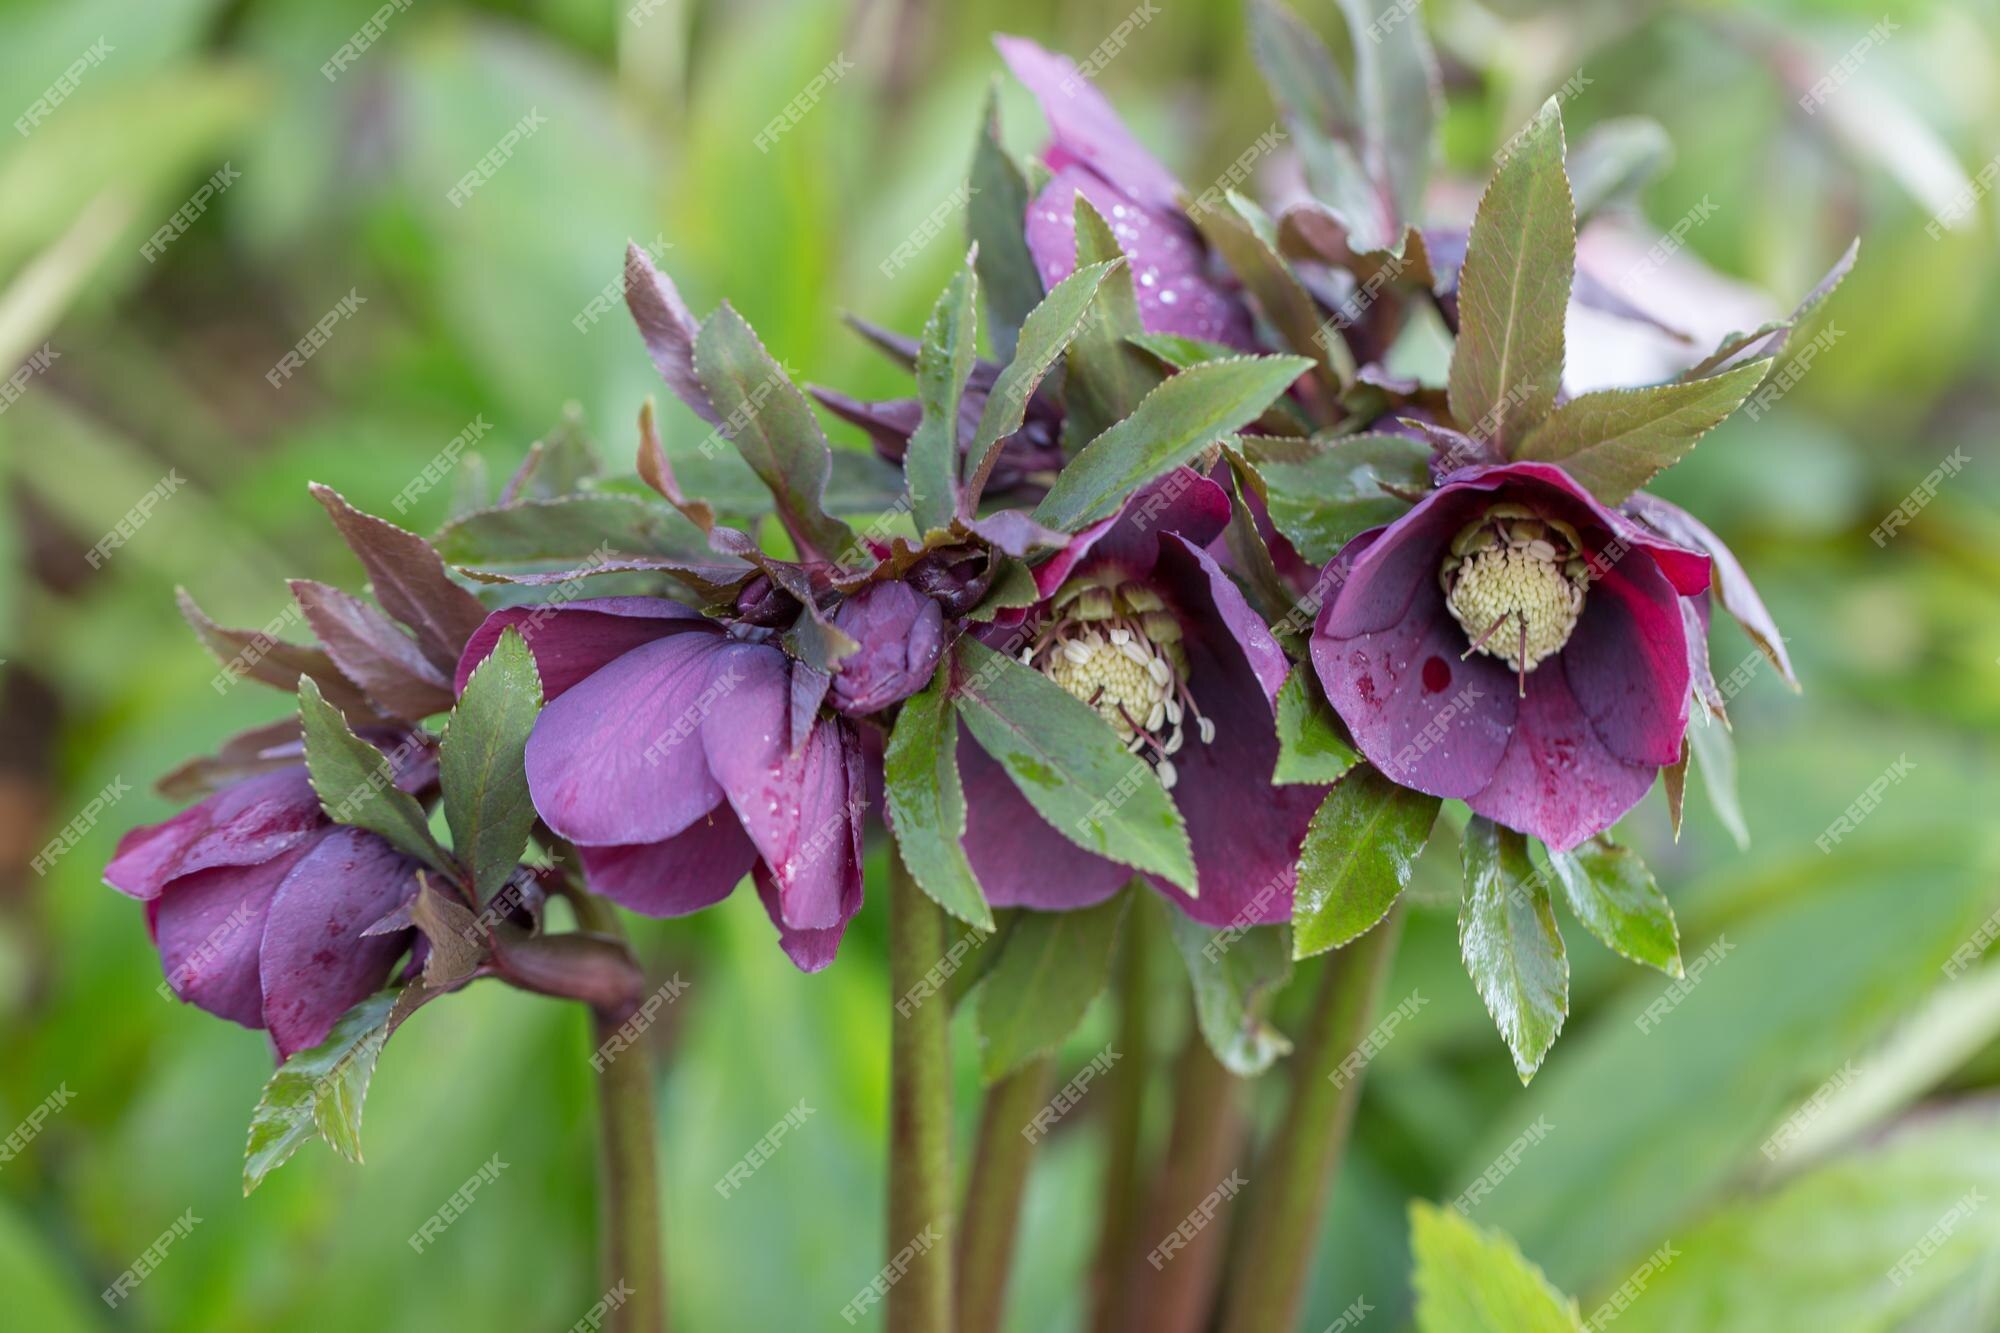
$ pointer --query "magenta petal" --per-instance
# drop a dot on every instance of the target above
(809, 950)
(1167, 261)
(573, 639)
(697, 867)
(1628, 666)
(1245, 832)
(1209, 596)
(1556, 780)
(617, 759)
(1418, 713)
(797, 808)
(209, 930)
(1182, 503)
(1084, 127)
(243, 824)
(1388, 566)
(1732, 583)
(315, 964)
(1020, 860)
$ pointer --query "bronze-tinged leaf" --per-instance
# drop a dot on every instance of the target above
(409, 580)
(261, 655)
(668, 330)
(372, 652)
(1513, 290)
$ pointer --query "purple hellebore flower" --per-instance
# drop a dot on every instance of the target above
(1512, 643)
(257, 903)
(1093, 154)
(1138, 620)
(901, 633)
(668, 754)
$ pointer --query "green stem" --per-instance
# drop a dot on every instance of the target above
(1123, 1202)
(631, 1246)
(992, 1213)
(1296, 1174)
(1173, 1290)
(919, 1115)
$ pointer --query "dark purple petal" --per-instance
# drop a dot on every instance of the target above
(315, 964)
(573, 639)
(617, 759)
(1425, 718)
(1182, 502)
(1020, 860)
(1627, 664)
(1694, 619)
(1083, 127)
(1168, 263)
(809, 950)
(1389, 566)
(1557, 781)
(243, 824)
(1732, 584)
(209, 930)
(1208, 595)
(795, 807)
(1245, 832)
(695, 868)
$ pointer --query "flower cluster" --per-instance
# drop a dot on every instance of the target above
(1187, 590)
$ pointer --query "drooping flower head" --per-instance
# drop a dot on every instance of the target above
(680, 753)
(257, 902)
(1139, 621)
(1513, 643)
(1094, 155)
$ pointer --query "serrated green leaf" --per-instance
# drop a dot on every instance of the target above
(1714, 756)
(1613, 159)
(355, 784)
(1468, 1278)
(568, 530)
(1613, 894)
(1107, 376)
(1242, 235)
(1310, 746)
(1070, 764)
(1614, 441)
(1045, 335)
(321, 1089)
(944, 363)
(480, 763)
(1049, 967)
(772, 427)
(1180, 351)
(996, 220)
(1513, 291)
(1173, 423)
(1320, 502)
(1236, 974)
(1508, 938)
(927, 802)
(1357, 857)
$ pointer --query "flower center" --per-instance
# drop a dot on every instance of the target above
(1113, 643)
(1515, 582)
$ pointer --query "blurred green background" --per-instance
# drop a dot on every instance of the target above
(481, 312)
